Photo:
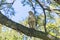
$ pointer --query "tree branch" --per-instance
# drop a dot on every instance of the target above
(20, 28)
(33, 7)
(57, 1)
(7, 3)
(44, 15)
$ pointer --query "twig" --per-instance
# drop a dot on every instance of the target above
(7, 3)
(33, 7)
(44, 14)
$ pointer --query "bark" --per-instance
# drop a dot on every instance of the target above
(27, 31)
(57, 1)
(0, 28)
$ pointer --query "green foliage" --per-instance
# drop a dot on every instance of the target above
(3, 0)
(10, 34)
(52, 27)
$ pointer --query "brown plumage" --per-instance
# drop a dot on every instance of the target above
(32, 20)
